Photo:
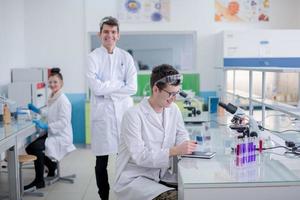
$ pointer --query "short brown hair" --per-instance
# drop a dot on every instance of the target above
(160, 72)
(109, 20)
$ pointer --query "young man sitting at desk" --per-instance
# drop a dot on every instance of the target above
(152, 132)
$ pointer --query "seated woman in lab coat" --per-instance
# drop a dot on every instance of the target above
(152, 132)
(59, 139)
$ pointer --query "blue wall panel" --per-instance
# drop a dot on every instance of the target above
(206, 94)
(78, 118)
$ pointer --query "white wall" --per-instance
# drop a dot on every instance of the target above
(56, 33)
(54, 36)
(298, 12)
(11, 38)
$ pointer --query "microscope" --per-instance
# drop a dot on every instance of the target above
(193, 111)
(239, 124)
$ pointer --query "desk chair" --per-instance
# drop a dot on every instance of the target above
(58, 177)
(32, 191)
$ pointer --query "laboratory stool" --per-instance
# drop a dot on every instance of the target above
(58, 177)
(32, 191)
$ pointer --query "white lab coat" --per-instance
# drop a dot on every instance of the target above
(143, 159)
(112, 79)
(60, 134)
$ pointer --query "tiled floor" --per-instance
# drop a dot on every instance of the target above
(82, 163)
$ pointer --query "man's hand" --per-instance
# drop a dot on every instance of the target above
(186, 147)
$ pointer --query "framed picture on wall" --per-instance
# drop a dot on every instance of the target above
(242, 10)
(137, 11)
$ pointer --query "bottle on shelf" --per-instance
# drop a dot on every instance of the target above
(6, 115)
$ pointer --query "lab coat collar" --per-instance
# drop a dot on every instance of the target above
(146, 107)
(150, 113)
(52, 98)
(105, 50)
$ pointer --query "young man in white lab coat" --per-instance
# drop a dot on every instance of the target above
(152, 132)
(111, 76)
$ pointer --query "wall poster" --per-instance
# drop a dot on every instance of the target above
(242, 10)
(143, 10)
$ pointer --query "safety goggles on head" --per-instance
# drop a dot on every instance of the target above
(171, 79)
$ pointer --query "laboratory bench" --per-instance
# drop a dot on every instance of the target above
(13, 137)
(274, 175)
